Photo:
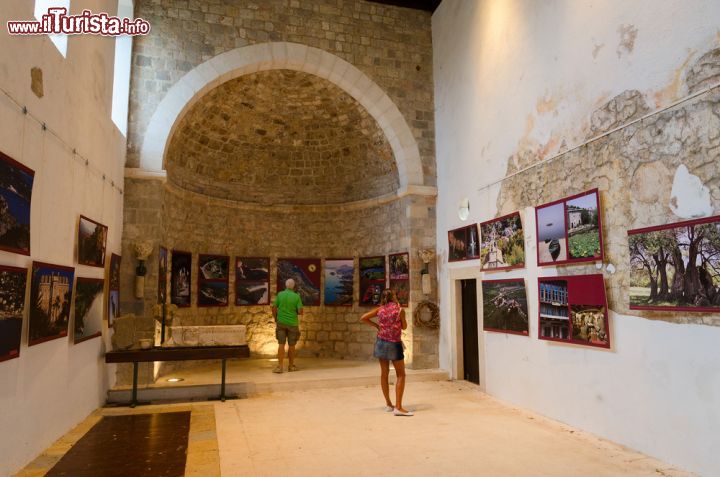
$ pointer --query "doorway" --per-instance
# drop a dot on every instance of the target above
(471, 359)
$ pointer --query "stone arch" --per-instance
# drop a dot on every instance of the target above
(282, 55)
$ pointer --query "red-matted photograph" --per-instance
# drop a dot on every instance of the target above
(89, 308)
(463, 244)
(339, 281)
(16, 184)
(573, 309)
(306, 273)
(13, 281)
(213, 280)
(252, 281)
(502, 243)
(505, 306)
(676, 267)
(180, 278)
(372, 279)
(92, 237)
(51, 288)
(569, 230)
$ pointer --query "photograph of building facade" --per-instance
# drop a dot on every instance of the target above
(536, 181)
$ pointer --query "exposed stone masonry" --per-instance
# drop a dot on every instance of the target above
(281, 137)
(391, 45)
(633, 169)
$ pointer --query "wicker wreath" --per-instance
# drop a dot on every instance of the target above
(433, 322)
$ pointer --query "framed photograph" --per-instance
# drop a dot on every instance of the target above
(402, 291)
(339, 280)
(399, 266)
(13, 282)
(372, 279)
(113, 306)
(114, 272)
(162, 275)
(570, 230)
(16, 183)
(180, 278)
(92, 237)
(573, 309)
(89, 303)
(212, 293)
(51, 288)
(676, 267)
(505, 307)
(213, 267)
(306, 273)
(463, 244)
(502, 244)
(252, 281)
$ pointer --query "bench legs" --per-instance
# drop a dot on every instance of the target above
(222, 383)
(134, 401)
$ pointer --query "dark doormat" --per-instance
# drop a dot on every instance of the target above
(136, 445)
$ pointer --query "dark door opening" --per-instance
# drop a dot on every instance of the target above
(471, 360)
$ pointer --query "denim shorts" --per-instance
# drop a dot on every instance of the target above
(389, 350)
(289, 333)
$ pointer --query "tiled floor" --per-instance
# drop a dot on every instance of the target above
(456, 431)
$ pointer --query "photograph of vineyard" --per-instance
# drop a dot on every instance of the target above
(676, 266)
(505, 306)
(503, 243)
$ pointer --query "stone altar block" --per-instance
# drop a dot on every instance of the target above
(215, 335)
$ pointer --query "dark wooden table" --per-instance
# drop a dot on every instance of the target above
(136, 356)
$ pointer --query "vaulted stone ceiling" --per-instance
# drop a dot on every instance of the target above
(281, 137)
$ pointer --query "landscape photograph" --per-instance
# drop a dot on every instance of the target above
(306, 273)
(551, 242)
(212, 293)
(214, 267)
(400, 266)
(89, 306)
(180, 278)
(503, 243)
(583, 226)
(339, 278)
(676, 266)
(92, 237)
(402, 291)
(252, 293)
(252, 268)
(505, 306)
(16, 183)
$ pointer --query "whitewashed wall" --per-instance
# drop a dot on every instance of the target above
(513, 74)
(55, 385)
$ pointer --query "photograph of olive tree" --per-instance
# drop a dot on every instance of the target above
(676, 266)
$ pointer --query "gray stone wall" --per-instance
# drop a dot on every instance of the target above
(391, 45)
(634, 169)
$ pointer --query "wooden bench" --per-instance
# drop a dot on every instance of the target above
(186, 353)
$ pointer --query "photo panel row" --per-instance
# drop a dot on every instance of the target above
(571, 309)
(49, 306)
(568, 231)
(252, 279)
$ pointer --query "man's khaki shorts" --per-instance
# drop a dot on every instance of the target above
(289, 333)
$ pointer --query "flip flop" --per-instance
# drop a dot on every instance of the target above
(389, 409)
(400, 413)
(293, 368)
(277, 370)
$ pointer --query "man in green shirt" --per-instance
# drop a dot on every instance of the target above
(285, 310)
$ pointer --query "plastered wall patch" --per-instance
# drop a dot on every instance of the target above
(689, 198)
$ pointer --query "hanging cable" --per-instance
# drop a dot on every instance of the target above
(75, 155)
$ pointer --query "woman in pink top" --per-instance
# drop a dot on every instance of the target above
(389, 347)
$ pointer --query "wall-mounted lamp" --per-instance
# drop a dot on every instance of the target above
(142, 252)
(464, 208)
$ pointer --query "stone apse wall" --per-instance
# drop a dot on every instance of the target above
(284, 163)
